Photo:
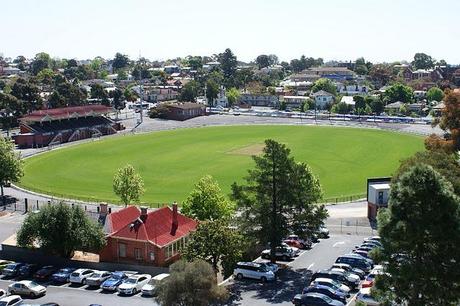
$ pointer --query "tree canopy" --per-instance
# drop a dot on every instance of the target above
(434, 94)
(423, 61)
(450, 119)
(61, 229)
(11, 164)
(207, 202)
(324, 84)
(399, 92)
(191, 284)
(421, 239)
(128, 185)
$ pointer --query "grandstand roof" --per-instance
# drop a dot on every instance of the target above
(66, 113)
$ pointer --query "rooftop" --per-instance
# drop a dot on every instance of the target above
(66, 113)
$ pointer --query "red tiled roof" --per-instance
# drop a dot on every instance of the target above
(156, 228)
(66, 113)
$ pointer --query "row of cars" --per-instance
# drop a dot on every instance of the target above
(125, 283)
(350, 272)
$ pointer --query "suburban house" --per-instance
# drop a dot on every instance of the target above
(159, 93)
(322, 99)
(135, 235)
(395, 106)
(332, 73)
(293, 102)
(184, 110)
(259, 100)
(348, 100)
(378, 191)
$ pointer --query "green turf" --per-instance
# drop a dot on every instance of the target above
(172, 161)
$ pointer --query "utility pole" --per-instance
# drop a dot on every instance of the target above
(140, 91)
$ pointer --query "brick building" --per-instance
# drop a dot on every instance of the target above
(149, 238)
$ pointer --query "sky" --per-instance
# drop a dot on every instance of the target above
(378, 30)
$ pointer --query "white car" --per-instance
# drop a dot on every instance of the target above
(331, 283)
(11, 300)
(134, 284)
(350, 276)
(149, 289)
(26, 287)
(79, 276)
(97, 278)
(253, 270)
(364, 296)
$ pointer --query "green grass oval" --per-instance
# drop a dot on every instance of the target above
(171, 162)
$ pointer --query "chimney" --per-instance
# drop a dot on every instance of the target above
(144, 213)
(174, 223)
(103, 209)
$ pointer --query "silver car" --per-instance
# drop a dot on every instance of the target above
(26, 287)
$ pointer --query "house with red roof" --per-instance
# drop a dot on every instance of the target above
(135, 235)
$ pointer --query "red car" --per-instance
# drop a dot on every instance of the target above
(296, 241)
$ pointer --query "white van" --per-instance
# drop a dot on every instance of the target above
(149, 289)
(253, 270)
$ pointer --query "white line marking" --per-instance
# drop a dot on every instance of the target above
(352, 299)
(310, 266)
(338, 243)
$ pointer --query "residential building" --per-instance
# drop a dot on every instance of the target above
(396, 106)
(259, 100)
(294, 102)
(352, 89)
(221, 99)
(184, 110)
(148, 238)
(348, 100)
(332, 73)
(322, 99)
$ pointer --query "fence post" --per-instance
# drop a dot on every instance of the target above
(341, 220)
(26, 205)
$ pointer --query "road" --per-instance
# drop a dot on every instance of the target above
(68, 296)
(295, 276)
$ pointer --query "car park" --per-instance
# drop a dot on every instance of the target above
(112, 283)
(149, 289)
(331, 283)
(97, 278)
(12, 270)
(133, 284)
(284, 253)
(79, 276)
(337, 276)
(2, 293)
(28, 270)
(296, 241)
(315, 299)
(364, 296)
(253, 270)
(45, 273)
(355, 262)
(62, 275)
(11, 300)
(333, 294)
(25, 287)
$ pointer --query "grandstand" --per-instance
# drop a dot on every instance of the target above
(59, 125)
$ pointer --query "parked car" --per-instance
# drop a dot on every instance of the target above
(79, 276)
(333, 294)
(315, 299)
(12, 270)
(363, 248)
(373, 242)
(348, 268)
(364, 296)
(25, 287)
(373, 238)
(4, 263)
(62, 275)
(355, 262)
(362, 253)
(369, 281)
(351, 277)
(97, 278)
(253, 270)
(323, 232)
(28, 270)
(296, 241)
(2, 293)
(332, 284)
(337, 276)
(285, 253)
(133, 284)
(149, 289)
(356, 255)
(270, 266)
(11, 300)
(112, 283)
(45, 272)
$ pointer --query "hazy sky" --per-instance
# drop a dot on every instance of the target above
(379, 30)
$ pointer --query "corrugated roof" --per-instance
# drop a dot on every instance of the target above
(66, 113)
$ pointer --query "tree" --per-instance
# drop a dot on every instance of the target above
(60, 229)
(423, 61)
(195, 62)
(212, 90)
(399, 92)
(434, 94)
(324, 84)
(421, 239)
(207, 202)
(28, 95)
(450, 119)
(217, 243)
(381, 74)
(263, 61)
(21, 62)
(190, 91)
(233, 95)
(118, 99)
(9, 111)
(120, 61)
(361, 67)
(228, 63)
(130, 95)
(98, 92)
(41, 61)
(376, 106)
(11, 164)
(274, 191)
(191, 284)
(340, 108)
(128, 185)
(360, 103)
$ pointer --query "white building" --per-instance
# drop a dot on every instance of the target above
(293, 102)
(322, 99)
(348, 100)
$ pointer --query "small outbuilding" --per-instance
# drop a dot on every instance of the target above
(378, 192)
